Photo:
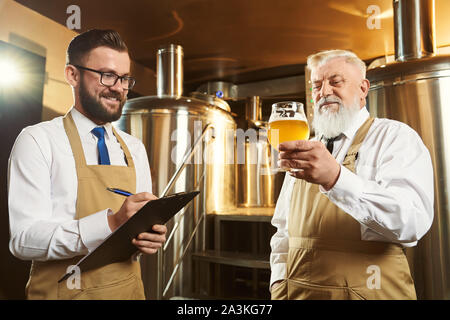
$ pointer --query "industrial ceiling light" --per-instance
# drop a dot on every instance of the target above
(10, 74)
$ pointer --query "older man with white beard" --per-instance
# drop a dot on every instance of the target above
(344, 219)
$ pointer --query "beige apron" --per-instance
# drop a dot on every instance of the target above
(114, 281)
(327, 258)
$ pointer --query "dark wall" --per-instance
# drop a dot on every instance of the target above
(20, 106)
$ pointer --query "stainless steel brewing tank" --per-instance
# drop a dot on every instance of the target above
(258, 184)
(169, 126)
(417, 92)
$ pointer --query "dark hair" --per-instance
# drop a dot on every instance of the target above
(83, 43)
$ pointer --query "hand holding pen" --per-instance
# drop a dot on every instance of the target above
(146, 242)
(132, 204)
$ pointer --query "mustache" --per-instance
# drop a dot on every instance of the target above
(328, 99)
(118, 96)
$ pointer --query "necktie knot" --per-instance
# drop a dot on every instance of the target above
(99, 132)
(103, 156)
(330, 142)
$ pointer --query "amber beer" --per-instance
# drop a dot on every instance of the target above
(287, 130)
(287, 123)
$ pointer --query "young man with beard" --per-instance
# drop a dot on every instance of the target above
(364, 192)
(59, 207)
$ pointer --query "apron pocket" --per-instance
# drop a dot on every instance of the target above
(126, 289)
(129, 288)
(297, 290)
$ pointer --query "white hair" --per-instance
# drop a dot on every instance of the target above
(320, 58)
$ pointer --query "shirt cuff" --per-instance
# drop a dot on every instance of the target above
(94, 229)
(348, 186)
(278, 272)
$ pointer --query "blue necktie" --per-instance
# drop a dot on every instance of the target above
(103, 157)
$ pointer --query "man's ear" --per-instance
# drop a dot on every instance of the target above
(72, 75)
(365, 85)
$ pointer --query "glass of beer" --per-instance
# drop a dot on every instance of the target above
(287, 123)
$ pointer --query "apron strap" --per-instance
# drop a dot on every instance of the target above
(77, 148)
(352, 153)
(365, 247)
(125, 149)
(74, 139)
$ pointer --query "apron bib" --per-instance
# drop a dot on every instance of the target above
(327, 258)
(120, 280)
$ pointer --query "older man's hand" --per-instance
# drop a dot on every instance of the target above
(312, 157)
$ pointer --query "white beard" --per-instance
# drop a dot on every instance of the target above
(331, 124)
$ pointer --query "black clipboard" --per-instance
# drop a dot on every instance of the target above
(117, 246)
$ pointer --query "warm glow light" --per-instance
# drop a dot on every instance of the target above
(9, 73)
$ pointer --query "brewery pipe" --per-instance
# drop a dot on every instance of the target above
(414, 29)
(253, 110)
(169, 71)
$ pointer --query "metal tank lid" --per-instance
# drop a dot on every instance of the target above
(171, 48)
(170, 103)
(212, 100)
(425, 66)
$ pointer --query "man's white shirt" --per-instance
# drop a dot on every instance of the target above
(391, 194)
(42, 189)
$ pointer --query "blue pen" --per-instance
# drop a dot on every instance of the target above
(119, 191)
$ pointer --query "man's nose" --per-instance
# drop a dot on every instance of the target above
(117, 87)
(326, 89)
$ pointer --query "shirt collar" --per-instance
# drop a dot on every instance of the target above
(85, 125)
(361, 117)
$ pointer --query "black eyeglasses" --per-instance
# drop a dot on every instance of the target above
(109, 79)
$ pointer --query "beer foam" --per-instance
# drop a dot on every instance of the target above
(287, 116)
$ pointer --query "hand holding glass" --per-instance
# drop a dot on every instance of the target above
(287, 123)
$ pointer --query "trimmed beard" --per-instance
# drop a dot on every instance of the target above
(94, 108)
(331, 124)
